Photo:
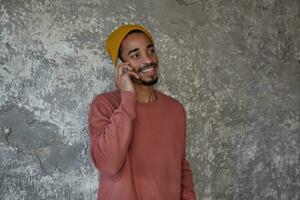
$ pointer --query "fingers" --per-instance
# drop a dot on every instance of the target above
(124, 69)
(118, 72)
(123, 79)
(130, 73)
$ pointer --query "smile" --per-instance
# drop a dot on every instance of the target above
(148, 68)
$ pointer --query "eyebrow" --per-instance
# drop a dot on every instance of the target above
(136, 49)
(132, 50)
(149, 46)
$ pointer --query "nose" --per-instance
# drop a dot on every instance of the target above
(146, 59)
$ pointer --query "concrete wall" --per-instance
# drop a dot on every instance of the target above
(235, 65)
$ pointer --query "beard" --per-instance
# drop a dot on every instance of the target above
(151, 82)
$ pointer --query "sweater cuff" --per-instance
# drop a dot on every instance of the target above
(128, 101)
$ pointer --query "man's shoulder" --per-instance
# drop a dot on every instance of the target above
(107, 97)
(171, 100)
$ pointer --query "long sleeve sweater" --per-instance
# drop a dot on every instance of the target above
(139, 148)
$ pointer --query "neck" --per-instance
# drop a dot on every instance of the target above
(144, 93)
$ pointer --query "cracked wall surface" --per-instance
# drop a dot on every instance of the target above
(235, 66)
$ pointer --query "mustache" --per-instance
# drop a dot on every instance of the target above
(146, 66)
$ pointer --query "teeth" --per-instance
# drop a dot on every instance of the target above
(147, 70)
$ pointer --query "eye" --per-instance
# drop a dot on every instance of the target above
(151, 51)
(136, 55)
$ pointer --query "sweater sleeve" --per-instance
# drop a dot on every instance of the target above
(110, 132)
(187, 185)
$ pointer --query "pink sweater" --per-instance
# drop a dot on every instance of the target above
(139, 148)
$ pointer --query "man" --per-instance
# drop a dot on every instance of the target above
(137, 133)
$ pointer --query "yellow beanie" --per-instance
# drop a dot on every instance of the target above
(115, 39)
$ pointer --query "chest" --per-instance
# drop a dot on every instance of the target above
(162, 131)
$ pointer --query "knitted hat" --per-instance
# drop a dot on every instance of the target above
(115, 39)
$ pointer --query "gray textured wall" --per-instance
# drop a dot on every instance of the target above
(235, 65)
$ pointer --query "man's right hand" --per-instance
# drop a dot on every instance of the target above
(122, 77)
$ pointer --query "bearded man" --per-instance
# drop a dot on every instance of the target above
(137, 133)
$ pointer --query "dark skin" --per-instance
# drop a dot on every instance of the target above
(139, 67)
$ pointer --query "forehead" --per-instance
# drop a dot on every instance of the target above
(135, 40)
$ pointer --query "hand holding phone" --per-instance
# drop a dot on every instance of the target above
(122, 77)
